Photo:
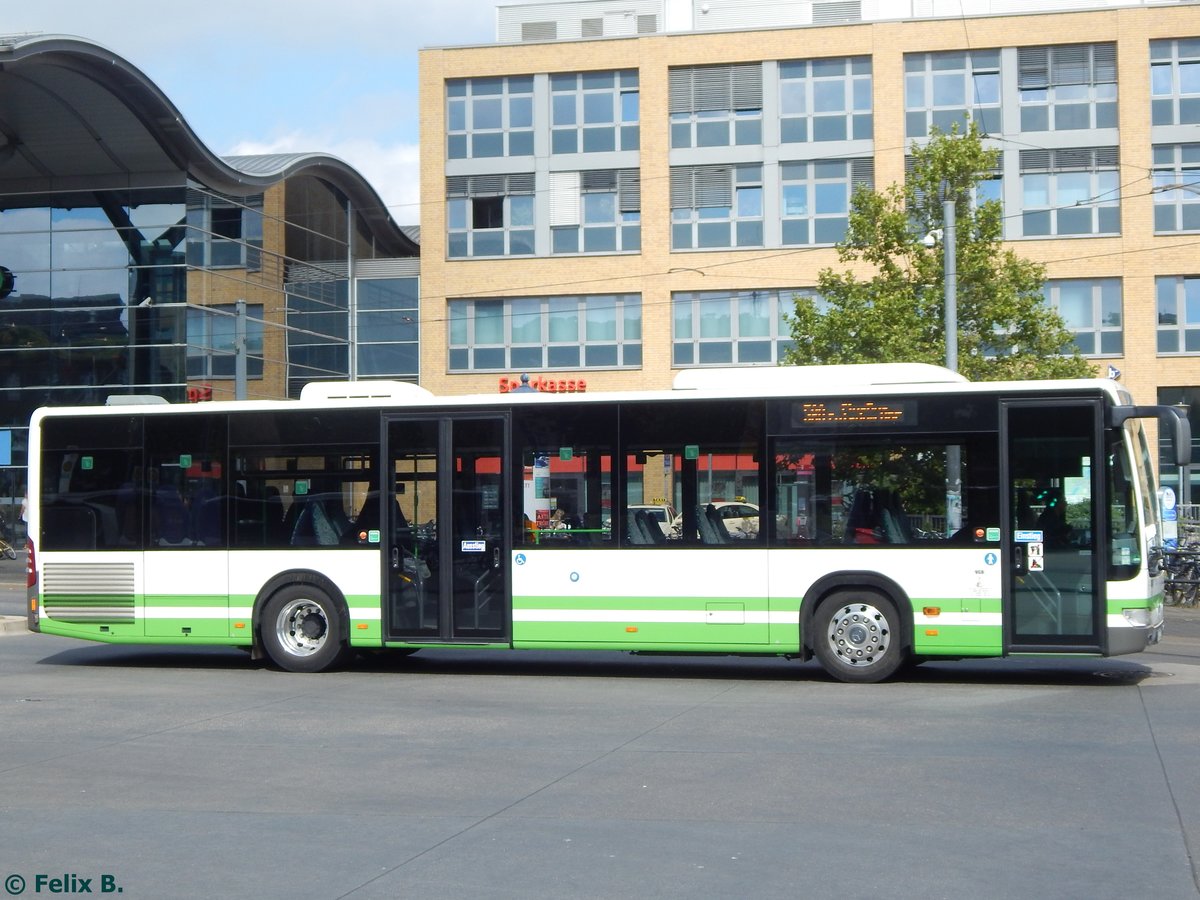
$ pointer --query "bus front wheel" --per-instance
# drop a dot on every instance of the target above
(303, 629)
(857, 638)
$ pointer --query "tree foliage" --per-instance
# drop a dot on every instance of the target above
(896, 314)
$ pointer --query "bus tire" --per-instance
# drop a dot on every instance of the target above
(857, 636)
(304, 630)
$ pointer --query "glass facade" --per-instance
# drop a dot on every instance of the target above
(99, 299)
(136, 291)
(387, 332)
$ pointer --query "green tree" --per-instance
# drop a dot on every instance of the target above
(896, 314)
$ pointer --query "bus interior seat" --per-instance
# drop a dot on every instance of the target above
(649, 528)
(634, 534)
(314, 527)
(876, 517)
(893, 520)
(208, 520)
(708, 534)
(712, 526)
(170, 517)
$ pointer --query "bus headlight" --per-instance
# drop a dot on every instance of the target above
(1139, 618)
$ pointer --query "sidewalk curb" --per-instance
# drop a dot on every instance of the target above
(13, 625)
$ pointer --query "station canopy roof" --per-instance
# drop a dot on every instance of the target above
(75, 116)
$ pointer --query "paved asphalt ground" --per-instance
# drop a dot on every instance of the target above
(194, 772)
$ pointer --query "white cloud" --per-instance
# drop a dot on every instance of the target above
(393, 170)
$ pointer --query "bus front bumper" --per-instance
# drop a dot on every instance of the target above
(1135, 630)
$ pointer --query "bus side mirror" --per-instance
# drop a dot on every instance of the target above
(1172, 419)
(1181, 434)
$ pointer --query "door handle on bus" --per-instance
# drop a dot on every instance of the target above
(395, 557)
(495, 557)
(1020, 564)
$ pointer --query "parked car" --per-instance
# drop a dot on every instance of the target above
(740, 517)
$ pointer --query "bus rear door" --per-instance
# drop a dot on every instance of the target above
(447, 524)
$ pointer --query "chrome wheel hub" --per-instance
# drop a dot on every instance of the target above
(302, 627)
(859, 634)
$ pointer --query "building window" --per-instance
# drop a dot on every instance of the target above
(594, 112)
(716, 206)
(815, 198)
(716, 106)
(489, 117)
(989, 189)
(212, 341)
(224, 232)
(1067, 192)
(1178, 305)
(740, 328)
(1188, 400)
(1175, 82)
(825, 100)
(386, 323)
(318, 326)
(1091, 308)
(595, 211)
(1068, 88)
(601, 331)
(1177, 187)
(490, 215)
(946, 89)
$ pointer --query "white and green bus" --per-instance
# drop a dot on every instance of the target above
(885, 514)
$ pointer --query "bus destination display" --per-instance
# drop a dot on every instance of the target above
(853, 412)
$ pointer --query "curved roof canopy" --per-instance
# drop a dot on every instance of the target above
(75, 116)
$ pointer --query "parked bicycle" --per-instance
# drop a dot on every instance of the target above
(7, 549)
(1183, 570)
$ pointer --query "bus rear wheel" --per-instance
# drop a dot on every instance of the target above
(304, 630)
(856, 637)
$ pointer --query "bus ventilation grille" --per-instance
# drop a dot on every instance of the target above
(87, 593)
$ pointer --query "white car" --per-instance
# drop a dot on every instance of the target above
(740, 517)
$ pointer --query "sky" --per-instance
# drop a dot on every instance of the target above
(283, 76)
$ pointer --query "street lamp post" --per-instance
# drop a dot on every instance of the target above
(950, 274)
(950, 267)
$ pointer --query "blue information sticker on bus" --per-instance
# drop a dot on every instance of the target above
(1028, 537)
(473, 546)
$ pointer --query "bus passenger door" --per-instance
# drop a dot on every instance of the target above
(446, 558)
(1051, 471)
